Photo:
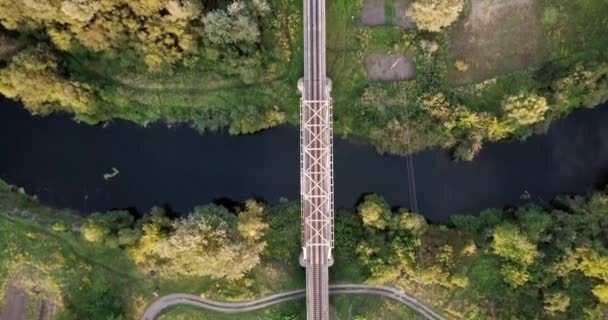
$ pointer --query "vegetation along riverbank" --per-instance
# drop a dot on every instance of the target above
(474, 71)
(517, 262)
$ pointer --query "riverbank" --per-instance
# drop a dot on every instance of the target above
(484, 78)
(518, 262)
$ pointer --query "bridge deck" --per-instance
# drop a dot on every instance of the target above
(316, 163)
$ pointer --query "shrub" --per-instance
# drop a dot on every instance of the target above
(434, 15)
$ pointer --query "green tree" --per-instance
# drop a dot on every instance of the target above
(375, 212)
(534, 222)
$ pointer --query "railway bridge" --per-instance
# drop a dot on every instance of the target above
(316, 164)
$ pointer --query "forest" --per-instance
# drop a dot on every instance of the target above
(518, 262)
(234, 65)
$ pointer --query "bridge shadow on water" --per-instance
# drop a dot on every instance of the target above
(63, 162)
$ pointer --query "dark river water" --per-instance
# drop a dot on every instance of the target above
(63, 162)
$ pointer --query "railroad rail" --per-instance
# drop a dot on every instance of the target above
(171, 300)
(316, 163)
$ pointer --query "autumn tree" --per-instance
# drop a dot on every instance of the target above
(34, 76)
(162, 32)
(556, 302)
(516, 251)
(251, 225)
(207, 243)
(375, 212)
(94, 232)
(237, 24)
(525, 110)
(156, 226)
(434, 15)
(414, 223)
(592, 264)
(113, 229)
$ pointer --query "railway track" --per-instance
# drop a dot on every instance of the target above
(162, 303)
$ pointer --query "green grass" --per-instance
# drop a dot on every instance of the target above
(95, 281)
(287, 311)
(575, 29)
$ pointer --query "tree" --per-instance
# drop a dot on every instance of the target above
(516, 250)
(250, 222)
(237, 25)
(512, 245)
(162, 32)
(469, 147)
(113, 229)
(601, 292)
(434, 15)
(534, 222)
(34, 77)
(206, 243)
(375, 212)
(414, 223)
(95, 232)
(525, 110)
(155, 228)
(556, 302)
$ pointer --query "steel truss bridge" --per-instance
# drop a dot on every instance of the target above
(316, 164)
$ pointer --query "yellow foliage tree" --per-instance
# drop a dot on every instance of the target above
(497, 130)
(517, 251)
(375, 212)
(250, 222)
(525, 110)
(34, 77)
(206, 243)
(592, 264)
(161, 31)
(557, 302)
(434, 15)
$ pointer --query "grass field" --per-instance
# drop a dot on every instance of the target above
(89, 277)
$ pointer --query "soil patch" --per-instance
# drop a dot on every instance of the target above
(389, 67)
(30, 295)
(497, 37)
(15, 303)
(401, 17)
(373, 13)
(386, 12)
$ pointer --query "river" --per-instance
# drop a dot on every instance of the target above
(64, 162)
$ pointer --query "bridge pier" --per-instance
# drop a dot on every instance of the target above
(328, 86)
(302, 259)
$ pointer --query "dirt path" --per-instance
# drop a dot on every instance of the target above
(15, 303)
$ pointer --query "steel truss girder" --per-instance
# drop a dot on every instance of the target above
(316, 173)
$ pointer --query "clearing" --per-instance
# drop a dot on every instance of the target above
(386, 12)
(30, 295)
(389, 67)
(497, 37)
